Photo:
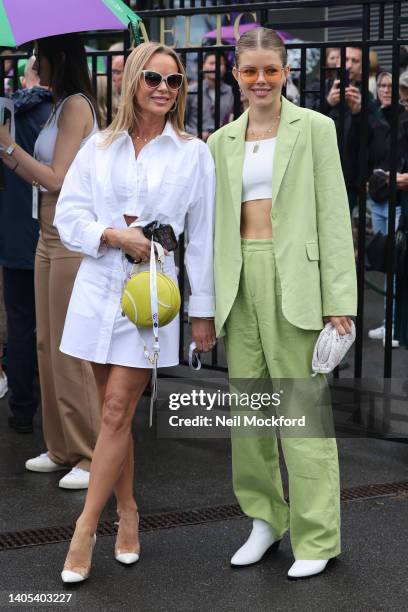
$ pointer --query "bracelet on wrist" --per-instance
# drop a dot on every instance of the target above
(104, 238)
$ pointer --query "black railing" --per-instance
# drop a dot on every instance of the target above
(288, 16)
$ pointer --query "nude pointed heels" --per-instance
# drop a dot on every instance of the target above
(71, 577)
(128, 557)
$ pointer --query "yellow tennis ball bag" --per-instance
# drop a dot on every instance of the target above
(137, 296)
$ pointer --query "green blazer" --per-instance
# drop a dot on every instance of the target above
(310, 219)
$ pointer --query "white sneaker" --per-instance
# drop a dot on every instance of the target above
(43, 463)
(378, 333)
(77, 478)
(261, 538)
(3, 385)
(394, 343)
(305, 568)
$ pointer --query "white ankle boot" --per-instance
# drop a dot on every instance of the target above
(260, 539)
(304, 568)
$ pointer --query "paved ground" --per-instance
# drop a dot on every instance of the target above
(187, 568)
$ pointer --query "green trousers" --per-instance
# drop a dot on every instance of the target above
(260, 343)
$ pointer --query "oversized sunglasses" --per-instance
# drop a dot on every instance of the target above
(154, 79)
(250, 75)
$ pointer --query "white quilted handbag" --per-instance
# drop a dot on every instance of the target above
(330, 348)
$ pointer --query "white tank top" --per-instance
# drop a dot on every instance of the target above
(45, 144)
(257, 171)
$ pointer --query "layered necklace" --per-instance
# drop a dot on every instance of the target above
(263, 135)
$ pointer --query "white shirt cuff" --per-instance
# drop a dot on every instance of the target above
(91, 239)
(201, 306)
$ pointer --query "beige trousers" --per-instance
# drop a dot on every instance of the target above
(70, 409)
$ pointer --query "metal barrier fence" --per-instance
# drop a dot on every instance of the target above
(380, 24)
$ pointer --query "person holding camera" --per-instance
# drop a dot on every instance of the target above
(332, 108)
(143, 168)
(330, 71)
(70, 414)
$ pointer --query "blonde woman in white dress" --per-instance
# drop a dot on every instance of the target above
(143, 167)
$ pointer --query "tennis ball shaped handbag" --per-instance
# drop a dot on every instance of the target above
(136, 299)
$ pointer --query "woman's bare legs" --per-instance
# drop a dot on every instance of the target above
(128, 533)
(112, 462)
(127, 539)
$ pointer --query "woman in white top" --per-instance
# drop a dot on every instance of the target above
(282, 217)
(143, 167)
(70, 412)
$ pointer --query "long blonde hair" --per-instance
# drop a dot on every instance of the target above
(129, 114)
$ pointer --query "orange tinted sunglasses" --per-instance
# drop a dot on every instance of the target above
(250, 75)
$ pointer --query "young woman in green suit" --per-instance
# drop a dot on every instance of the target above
(284, 265)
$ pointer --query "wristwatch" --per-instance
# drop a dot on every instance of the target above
(10, 148)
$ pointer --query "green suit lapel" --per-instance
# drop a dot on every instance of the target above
(287, 136)
(235, 160)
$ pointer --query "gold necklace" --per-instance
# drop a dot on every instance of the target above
(140, 138)
(259, 136)
(145, 140)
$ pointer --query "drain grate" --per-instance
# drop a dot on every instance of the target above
(374, 490)
(180, 518)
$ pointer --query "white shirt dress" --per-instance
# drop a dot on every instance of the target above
(171, 180)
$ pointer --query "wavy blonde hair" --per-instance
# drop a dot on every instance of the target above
(129, 114)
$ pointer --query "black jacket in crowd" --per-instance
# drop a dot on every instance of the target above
(18, 230)
(379, 137)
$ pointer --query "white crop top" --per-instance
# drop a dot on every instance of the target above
(257, 171)
(45, 144)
